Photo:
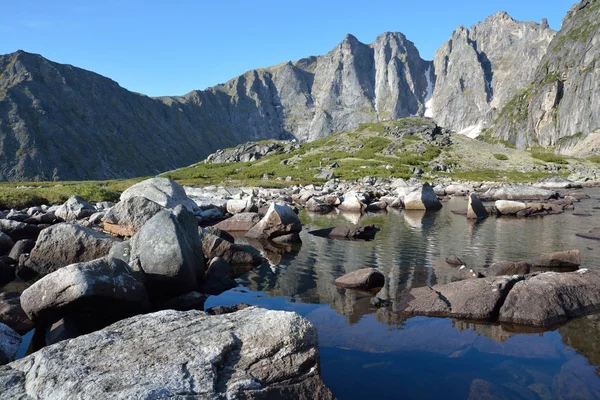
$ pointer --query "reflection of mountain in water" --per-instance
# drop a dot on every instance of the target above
(410, 251)
(583, 335)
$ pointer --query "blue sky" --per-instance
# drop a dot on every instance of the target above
(172, 47)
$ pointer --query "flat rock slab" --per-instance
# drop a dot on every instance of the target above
(594, 234)
(367, 232)
(364, 278)
(561, 260)
(241, 222)
(252, 353)
(476, 299)
(552, 297)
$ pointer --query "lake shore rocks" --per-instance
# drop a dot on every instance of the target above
(9, 344)
(128, 216)
(423, 198)
(75, 208)
(241, 222)
(475, 208)
(252, 353)
(365, 279)
(279, 220)
(162, 191)
(366, 232)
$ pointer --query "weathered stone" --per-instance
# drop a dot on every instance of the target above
(75, 208)
(19, 230)
(475, 208)
(454, 261)
(365, 278)
(593, 234)
(279, 220)
(253, 353)
(98, 289)
(318, 206)
(352, 202)
(477, 299)
(518, 192)
(163, 191)
(377, 206)
(551, 297)
(422, 199)
(220, 233)
(213, 247)
(168, 250)
(64, 244)
(128, 216)
(40, 219)
(9, 344)
(241, 222)
(218, 277)
(220, 310)
(240, 206)
(12, 314)
(507, 207)
(508, 268)
(464, 273)
(568, 260)
(348, 232)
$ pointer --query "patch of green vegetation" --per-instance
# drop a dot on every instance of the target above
(517, 109)
(371, 126)
(595, 159)
(565, 139)
(412, 138)
(486, 174)
(486, 136)
(500, 156)
(372, 146)
(581, 30)
(547, 155)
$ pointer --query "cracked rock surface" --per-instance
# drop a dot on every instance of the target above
(252, 353)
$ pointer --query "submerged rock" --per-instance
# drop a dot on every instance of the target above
(508, 268)
(365, 278)
(593, 234)
(253, 353)
(465, 273)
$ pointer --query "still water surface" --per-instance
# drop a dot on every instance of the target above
(371, 352)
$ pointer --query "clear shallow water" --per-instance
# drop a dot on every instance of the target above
(367, 352)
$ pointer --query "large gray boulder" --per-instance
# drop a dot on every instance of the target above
(214, 246)
(9, 344)
(75, 208)
(279, 220)
(352, 202)
(19, 230)
(476, 299)
(168, 252)
(102, 288)
(64, 244)
(250, 354)
(129, 215)
(423, 198)
(552, 297)
(163, 191)
(509, 207)
(241, 222)
(562, 260)
(511, 191)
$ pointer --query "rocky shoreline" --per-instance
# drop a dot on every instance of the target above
(104, 272)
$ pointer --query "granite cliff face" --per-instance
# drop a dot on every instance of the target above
(480, 69)
(561, 106)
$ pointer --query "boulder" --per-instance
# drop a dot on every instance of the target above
(17, 215)
(557, 182)
(475, 299)
(220, 233)
(279, 220)
(548, 298)
(213, 246)
(23, 246)
(240, 206)
(463, 273)
(253, 353)
(129, 215)
(508, 268)
(377, 206)
(364, 278)
(168, 251)
(318, 206)
(19, 230)
(454, 261)
(12, 314)
(101, 289)
(507, 207)
(6, 243)
(562, 260)
(9, 344)
(593, 234)
(241, 222)
(353, 203)
(475, 208)
(163, 191)
(325, 174)
(40, 219)
(422, 199)
(518, 192)
(348, 232)
(75, 208)
(218, 278)
(64, 244)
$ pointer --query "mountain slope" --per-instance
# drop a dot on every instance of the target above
(561, 106)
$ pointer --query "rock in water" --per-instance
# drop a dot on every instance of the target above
(365, 278)
(253, 353)
(279, 220)
(168, 250)
(241, 222)
(213, 246)
(64, 244)
(475, 208)
(508, 268)
(552, 297)
(508, 207)
(163, 191)
(366, 232)
(130, 215)
(9, 344)
(422, 199)
(98, 289)
(464, 273)
(568, 260)
(352, 203)
(75, 208)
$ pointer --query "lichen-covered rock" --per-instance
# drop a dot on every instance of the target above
(64, 244)
(252, 353)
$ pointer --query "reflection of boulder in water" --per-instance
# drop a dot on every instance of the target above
(275, 252)
(391, 318)
(352, 217)
(582, 335)
(420, 218)
(352, 304)
(491, 331)
(576, 380)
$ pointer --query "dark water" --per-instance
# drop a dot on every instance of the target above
(369, 352)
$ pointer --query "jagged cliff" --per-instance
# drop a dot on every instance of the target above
(480, 69)
(561, 106)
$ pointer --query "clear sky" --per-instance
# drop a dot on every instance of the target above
(170, 47)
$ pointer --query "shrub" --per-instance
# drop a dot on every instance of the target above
(500, 156)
